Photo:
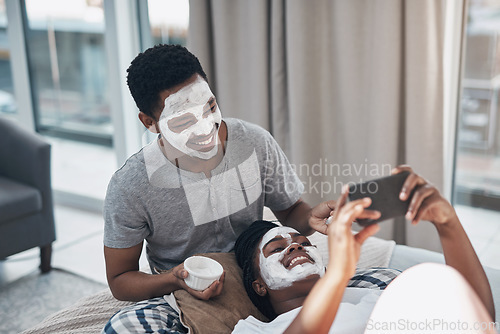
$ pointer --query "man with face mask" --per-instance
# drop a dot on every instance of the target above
(192, 190)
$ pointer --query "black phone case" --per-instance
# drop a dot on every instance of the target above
(384, 193)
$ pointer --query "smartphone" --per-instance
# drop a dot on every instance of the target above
(384, 193)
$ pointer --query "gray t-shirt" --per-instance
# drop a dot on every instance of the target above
(180, 213)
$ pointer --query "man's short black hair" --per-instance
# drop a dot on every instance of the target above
(158, 68)
(245, 248)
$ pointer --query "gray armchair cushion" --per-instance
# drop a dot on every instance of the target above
(25, 158)
(17, 200)
(25, 161)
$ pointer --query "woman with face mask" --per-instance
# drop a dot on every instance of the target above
(285, 277)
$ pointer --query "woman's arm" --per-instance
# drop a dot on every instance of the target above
(428, 204)
(321, 305)
(459, 254)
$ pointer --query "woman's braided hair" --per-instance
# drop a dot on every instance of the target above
(245, 248)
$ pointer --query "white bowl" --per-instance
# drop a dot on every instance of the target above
(203, 271)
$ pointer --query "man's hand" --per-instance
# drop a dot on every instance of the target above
(319, 215)
(213, 290)
(321, 212)
(344, 247)
(426, 203)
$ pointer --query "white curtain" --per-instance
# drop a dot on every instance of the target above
(349, 89)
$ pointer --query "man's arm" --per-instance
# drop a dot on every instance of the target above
(297, 216)
(428, 204)
(128, 283)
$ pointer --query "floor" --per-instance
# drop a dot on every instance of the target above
(79, 247)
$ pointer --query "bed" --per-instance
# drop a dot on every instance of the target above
(90, 314)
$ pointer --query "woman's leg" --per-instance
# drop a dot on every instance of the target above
(430, 298)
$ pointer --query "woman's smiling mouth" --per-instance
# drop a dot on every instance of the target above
(300, 259)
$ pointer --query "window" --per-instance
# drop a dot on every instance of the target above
(65, 40)
(169, 21)
(7, 100)
(69, 80)
(69, 84)
(477, 180)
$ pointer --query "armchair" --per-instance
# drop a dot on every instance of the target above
(26, 208)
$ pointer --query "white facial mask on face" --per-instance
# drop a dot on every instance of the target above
(272, 270)
(192, 100)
